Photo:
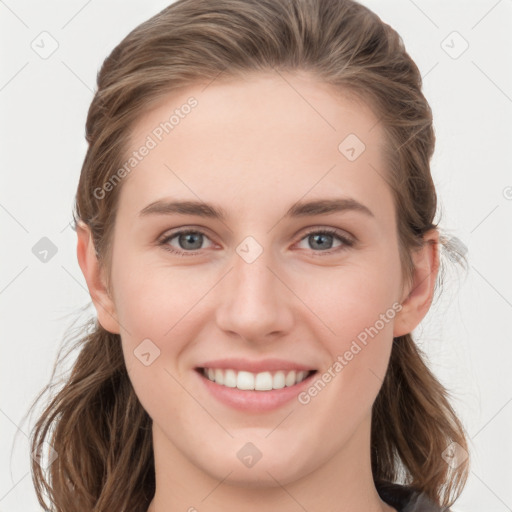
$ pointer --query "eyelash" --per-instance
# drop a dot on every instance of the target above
(347, 243)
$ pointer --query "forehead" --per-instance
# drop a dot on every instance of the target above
(264, 140)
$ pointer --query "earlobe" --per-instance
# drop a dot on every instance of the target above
(89, 264)
(421, 292)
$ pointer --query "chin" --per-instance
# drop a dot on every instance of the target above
(272, 471)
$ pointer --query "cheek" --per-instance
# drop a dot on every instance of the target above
(359, 307)
(161, 304)
(155, 307)
(345, 389)
(347, 300)
(150, 299)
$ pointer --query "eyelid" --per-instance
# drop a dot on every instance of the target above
(164, 239)
(347, 239)
(340, 233)
(169, 233)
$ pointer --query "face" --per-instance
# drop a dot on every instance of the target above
(253, 280)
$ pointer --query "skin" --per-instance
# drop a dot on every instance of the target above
(255, 147)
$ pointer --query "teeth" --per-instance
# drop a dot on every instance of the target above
(230, 378)
(263, 381)
(244, 380)
(290, 378)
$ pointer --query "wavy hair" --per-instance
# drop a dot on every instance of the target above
(95, 422)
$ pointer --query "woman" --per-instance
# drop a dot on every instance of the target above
(270, 363)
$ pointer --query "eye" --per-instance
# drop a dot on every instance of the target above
(322, 239)
(189, 242)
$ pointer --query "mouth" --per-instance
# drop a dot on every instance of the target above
(251, 392)
(249, 381)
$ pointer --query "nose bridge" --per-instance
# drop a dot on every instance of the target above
(254, 303)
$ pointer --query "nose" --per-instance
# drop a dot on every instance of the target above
(253, 301)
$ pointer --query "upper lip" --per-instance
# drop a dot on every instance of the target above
(247, 365)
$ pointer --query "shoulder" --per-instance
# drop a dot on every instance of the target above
(407, 499)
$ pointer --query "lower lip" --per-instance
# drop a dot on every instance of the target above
(254, 401)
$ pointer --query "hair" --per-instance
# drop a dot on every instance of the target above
(95, 422)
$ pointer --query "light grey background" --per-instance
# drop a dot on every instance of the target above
(467, 333)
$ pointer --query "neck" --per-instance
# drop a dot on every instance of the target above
(344, 483)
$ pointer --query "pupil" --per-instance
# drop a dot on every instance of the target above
(189, 237)
(321, 244)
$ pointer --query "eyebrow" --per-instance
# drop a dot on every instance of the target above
(299, 209)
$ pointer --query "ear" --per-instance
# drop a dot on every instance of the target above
(88, 261)
(420, 293)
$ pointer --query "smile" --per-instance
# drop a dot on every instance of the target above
(254, 386)
(262, 381)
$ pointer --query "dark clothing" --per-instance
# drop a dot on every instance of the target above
(406, 499)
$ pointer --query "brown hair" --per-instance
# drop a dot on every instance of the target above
(97, 426)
